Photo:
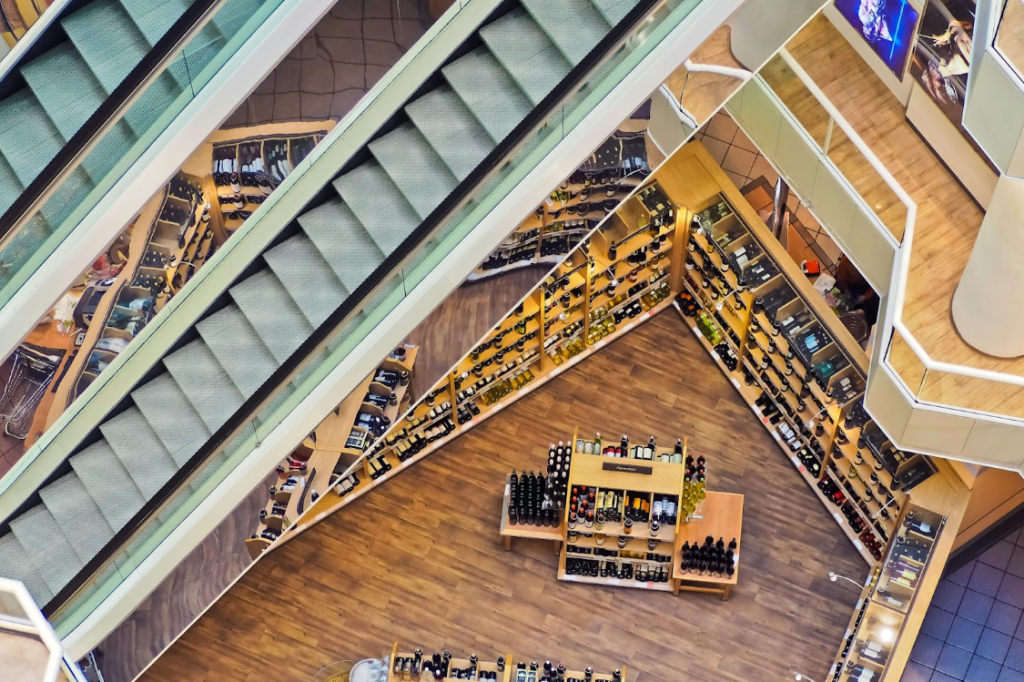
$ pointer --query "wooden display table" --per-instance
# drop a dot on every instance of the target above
(525, 530)
(723, 518)
(507, 670)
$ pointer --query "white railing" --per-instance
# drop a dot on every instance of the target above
(22, 616)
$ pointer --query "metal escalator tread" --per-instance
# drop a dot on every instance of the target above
(65, 87)
(416, 169)
(47, 547)
(172, 417)
(154, 17)
(108, 483)
(614, 10)
(238, 348)
(575, 26)
(15, 564)
(154, 101)
(234, 15)
(109, 151)
(527, 53)
(378, 205)
(108, 40)
(342, 241)
(204, 382)
(272, 312)
(307, 277)
(201, 49)
(66, 197)
(488, 91)
(28, 138)
(10, 187)
(78, 516)
(451, 129)
(132, 439)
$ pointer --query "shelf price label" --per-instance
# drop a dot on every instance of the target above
(839, 519)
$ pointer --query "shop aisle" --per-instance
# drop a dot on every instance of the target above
(419, 560)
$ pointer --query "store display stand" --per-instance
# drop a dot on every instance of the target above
(525, 530)
(722, 518)
(400, 666)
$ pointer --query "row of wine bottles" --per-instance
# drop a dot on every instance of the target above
(594, 568)
(440, 666)
(709, 558)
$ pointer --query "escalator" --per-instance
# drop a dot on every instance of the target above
(516, 80)
(84, 94)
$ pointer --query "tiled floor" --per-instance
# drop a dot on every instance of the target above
(973, 630)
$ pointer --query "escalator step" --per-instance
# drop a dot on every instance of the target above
(67, 197)
(108, 483)
(152, 103)
(107, 39)
(272, 312)
(378, 204)
(574, 25)
(489, 92)
(154, 17)
(238, 348)
(342, 241)
(234, 14)
(28, 138)
(10, 187)
(109, 151)
(79, 517)
(307, 277)
(132, 439)
(47, 547)
(614, 10)
(172, 417)
(451, 129)
(527, 53)
(414, 167)
(15, 564)
(204, 382)
(65, 87)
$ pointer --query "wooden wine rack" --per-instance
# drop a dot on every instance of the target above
(508, 671)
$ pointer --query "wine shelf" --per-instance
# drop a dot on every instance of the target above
(502, 668)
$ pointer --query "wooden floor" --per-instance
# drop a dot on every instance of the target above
(419, 560)
(703, 92)
(947, 223)
(478, 306)
(210, 568)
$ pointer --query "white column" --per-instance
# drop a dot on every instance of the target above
(988, 306)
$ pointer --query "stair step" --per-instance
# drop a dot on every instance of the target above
(414, 167)
(108, 41)
(172, 417)
(132, 439)
(272, 312)
(15, 564)
(378, 204)
(67, 197)
(23, 245)
(205, 383)
(154, 17)
(201, 49)
(10, 187)
(78, 516)
(451, 129)
(307, 277)
(234, 15)
(108, 483)
(489, 92)
(152, 103)
(28, 138)
(527, 53)
(65, 86)
(238, 348)
(342, 241)
(109, 151)
(47, 547)
(614, 10)
(575, 26)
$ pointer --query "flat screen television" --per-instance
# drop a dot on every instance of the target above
(886, 25)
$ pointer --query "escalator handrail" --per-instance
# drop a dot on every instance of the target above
(245, 414)
(109, 113)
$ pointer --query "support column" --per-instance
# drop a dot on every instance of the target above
(989, 301)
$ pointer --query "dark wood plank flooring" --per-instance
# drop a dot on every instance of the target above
(419, 559)
(203, 575)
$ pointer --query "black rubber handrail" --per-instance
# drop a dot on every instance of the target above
(71, 154)
(244, 415)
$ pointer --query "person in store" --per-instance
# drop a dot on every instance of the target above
(863, 299)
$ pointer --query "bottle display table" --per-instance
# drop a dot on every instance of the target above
(723, 518)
